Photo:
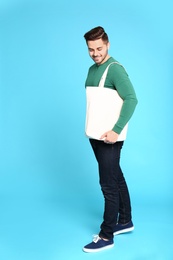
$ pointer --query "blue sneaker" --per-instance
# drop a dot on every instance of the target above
(123, 228)
(98, 244)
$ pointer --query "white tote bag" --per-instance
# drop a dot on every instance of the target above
(103, 110)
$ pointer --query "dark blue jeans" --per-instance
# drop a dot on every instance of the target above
(113, 185)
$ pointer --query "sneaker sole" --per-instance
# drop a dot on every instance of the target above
(123, 231)
(87, 250)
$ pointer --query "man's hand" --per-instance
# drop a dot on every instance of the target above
(110, 137)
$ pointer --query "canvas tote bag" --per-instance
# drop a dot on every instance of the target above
(103, 107)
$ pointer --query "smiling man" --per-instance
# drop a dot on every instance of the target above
(98, 50)
(111, 101)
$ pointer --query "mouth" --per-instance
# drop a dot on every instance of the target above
(96, 58)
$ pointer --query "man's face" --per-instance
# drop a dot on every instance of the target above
(98, 51)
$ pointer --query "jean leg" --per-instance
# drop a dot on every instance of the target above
(108, 157)
(124, 201)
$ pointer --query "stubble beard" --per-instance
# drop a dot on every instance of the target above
(102, 60)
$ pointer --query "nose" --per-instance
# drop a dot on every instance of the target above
(95, 53)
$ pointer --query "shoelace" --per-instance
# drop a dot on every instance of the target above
(96, 238)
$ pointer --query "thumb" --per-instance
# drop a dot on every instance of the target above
(103, 136)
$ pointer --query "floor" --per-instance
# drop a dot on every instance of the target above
(53, 228)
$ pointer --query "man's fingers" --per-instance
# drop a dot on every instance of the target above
(103, 136)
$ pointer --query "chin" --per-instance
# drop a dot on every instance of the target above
(98, 62)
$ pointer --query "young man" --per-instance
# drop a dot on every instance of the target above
(107, 139)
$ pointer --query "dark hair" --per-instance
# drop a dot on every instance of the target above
(95, 34)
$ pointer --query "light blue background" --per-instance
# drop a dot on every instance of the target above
(50, 199)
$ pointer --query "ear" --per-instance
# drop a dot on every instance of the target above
(108, 45)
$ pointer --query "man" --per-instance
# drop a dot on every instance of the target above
(108, 140)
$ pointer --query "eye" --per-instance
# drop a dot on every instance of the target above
(99, 49)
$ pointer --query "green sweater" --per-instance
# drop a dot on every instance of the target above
(117, 78)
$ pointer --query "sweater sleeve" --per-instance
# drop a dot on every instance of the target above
(119, 78)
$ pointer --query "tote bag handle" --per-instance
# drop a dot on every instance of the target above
(103, 78)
